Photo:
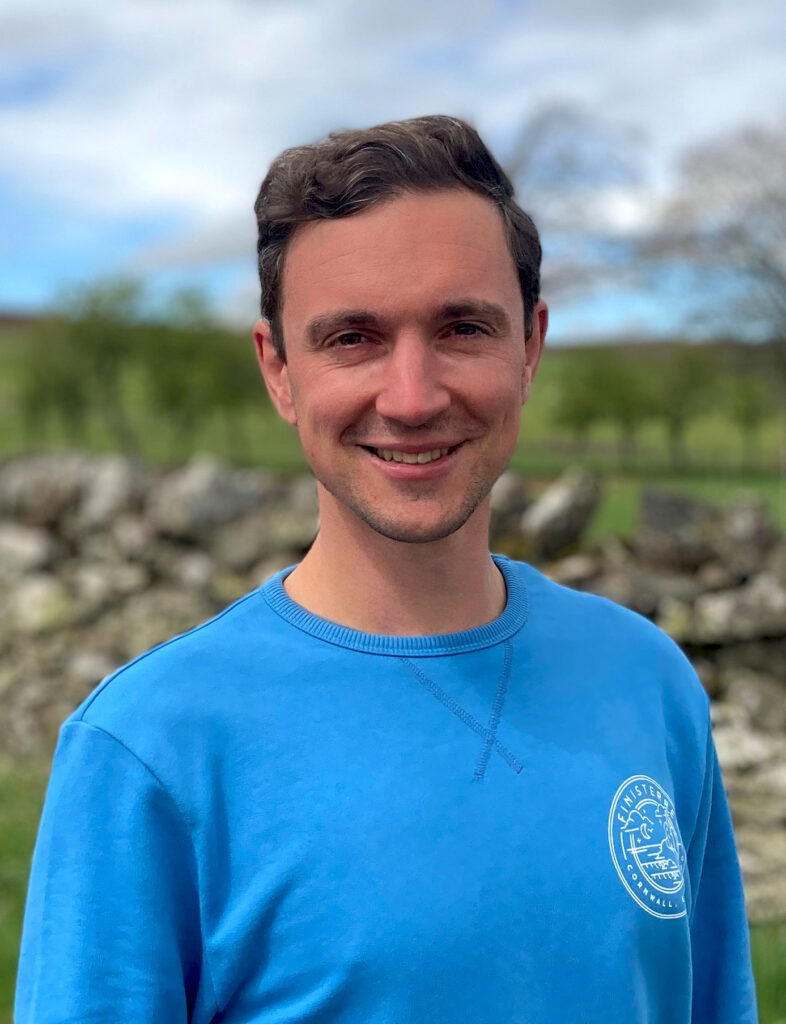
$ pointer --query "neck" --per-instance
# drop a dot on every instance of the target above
(360, 579)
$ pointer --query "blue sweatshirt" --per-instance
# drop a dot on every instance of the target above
(274, 818)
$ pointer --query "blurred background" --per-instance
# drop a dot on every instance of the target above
(144, 479)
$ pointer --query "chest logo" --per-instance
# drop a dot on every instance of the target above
(646, 846)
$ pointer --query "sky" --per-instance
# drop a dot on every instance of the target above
(134, 136)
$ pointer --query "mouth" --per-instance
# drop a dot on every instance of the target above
(411, 458)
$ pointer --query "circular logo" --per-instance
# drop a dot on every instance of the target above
(646, 846)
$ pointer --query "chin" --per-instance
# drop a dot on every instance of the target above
(415, 532)
(415, 522)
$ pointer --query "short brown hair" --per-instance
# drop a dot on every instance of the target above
(350, 171)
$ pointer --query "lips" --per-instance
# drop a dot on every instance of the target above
(412, 458)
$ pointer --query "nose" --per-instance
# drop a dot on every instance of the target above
(412, 390)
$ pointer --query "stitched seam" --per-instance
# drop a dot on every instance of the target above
(705, 766)
(482, 637)
(460, 713)
(694, 892)
(496, 713)
(184, 823)
(166, 643)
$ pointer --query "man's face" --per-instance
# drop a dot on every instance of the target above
(406, 363)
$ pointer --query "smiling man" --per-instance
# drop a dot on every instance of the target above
(404, 369)
(404, 780)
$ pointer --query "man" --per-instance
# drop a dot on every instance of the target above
(403, 781)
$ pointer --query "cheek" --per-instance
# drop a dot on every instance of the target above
(326, 408)
(502, 398)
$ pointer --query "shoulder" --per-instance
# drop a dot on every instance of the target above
(178, 679)
(588, 617)
(602, 635)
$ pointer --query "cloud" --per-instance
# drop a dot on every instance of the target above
(615, 12)
(224, 240)
(143, 109)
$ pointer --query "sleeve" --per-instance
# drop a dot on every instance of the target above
(723, 986)
(111, 929)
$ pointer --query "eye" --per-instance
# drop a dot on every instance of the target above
(467, 328)
(347, 340)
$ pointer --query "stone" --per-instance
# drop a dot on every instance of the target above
(766, 655)
(761, 697)
(25, 549)
(147, 619)
(41, 603)
(227, 586)
(674, 586)
(132, 535)
(195, 570)
(616, 554)
(574, 571)
(709, 677)
(190, 503)
(716, 576)
(89, 667)
(762, 853)
(90, 583)
(675, 617)
(674, 530)
(633, 589)
(509, 499)
(724, 714)
(260, 534)
(558, 518)
(757, 609)
(509, 494)
(299, 494)
(100, 583)
(744, 535)
(186, 566)
(776, 562)
(268, 567)
(767, 783)
(290, 529)
(113, 485)
(741, 748)
(39, 489)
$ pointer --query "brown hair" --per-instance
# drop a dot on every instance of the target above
(352, 170)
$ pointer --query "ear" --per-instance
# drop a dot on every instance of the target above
(274, 372)
(533, 347)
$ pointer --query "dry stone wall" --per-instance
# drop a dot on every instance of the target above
(102, 558)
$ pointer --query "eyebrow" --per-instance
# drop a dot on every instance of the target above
(363, 319)
(343, 318)
(475, 309)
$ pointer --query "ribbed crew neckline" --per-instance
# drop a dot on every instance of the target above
(513, 617)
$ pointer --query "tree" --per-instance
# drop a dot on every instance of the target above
(570, 166)
(576, 405)
(51, 381)
(605, 384)
(729, 215)
(728, 221)
(750, 402)
(683, 384)
(195, 367)
(99, 328)
(624, 390)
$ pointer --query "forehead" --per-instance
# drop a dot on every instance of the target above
(401, 256)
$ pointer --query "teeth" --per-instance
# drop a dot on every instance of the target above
(412, 459)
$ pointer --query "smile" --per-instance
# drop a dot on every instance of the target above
(412, 458)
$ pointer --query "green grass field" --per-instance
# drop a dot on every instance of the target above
(22, 788)
(713, 444)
